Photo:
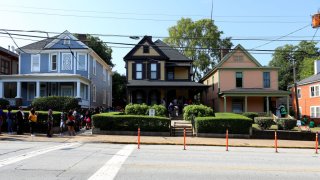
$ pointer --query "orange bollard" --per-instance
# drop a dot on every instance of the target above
(275, 141)
(317, 143)
(138, 138)
(184, 139)
(227, 140)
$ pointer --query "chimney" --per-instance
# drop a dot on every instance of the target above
(9, 48)
(82, 38)
(223, 52)
(316, 66)
(12, 49)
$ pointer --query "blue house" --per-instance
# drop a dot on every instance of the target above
(60, 66)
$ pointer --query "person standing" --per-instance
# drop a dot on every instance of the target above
(9, 121)
(20, 121)
(49, 123)
(62, 124)
(32, 121)
(87, 119)
(70, 123)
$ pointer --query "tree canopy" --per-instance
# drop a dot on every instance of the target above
(303, 54)
(119, 89)
(99, 47)
(200, 41)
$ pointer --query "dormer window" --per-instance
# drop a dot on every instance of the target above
(146, 49)
(66, 40)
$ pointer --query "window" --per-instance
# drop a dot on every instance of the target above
(82, 62)
(238, 58)
(53, 62)
(266, 79)
(300, 112)
(66, 91)
(94, 67)
(83, 91)
(239, 79)
(315, 111)
(153, 71)
(66, 61)
(299, 93)
(170, 74)
(5, 67)
(104, 75)
(94, 93)
(237, 105)
(138, 71)
(43, 90)
(314, 91)
(66, 40)
(146, 49)
(35, 63)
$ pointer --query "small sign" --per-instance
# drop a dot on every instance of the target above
(152, 112)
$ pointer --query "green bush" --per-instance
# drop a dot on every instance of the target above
(197, 111)
(236, 124)
(118, 122)
(160, 110)
(250, 115)
(286, 124)
(136, 109)
(56, 103)
(264, 122)
(4, 103)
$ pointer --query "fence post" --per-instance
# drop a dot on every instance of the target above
(138, 138)
(184, 138)
(227, 140)
(275, 141)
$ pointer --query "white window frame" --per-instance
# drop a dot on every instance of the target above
(85, 62)
(67, 40)
(104, 72)
(316, 91)
(153, 71)
(94, 67)
(140, 71)
(62, 62)
(313, 111)
(50, 63)
(32, 67)
(299, 93)
(94, 93)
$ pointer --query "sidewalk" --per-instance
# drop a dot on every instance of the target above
(87, 137)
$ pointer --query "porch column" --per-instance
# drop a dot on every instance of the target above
(37, 89)
(18, 89)
(288, 110)
(225, 103)
(268, 110)
(78, 89)
(1, 89)
(246, 104)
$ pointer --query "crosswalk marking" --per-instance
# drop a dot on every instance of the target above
(111, 168)
(28, 155)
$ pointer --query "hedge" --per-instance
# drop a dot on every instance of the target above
(197, 111)
(160, 110)
(41, 123)
(286, 123)
(4, 103)
(264, 122)
(56, 103)
(250, 115)
(120, 122)
(236, 124)
(136, 109)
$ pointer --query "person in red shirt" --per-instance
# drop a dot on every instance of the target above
(70, 123)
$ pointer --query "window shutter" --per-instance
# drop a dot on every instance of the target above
(143, 71)
(158, 71)
(149, 71)
(133, 71)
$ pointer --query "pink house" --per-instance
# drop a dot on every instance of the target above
(239, 83)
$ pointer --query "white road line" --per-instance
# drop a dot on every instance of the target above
(111, 168)
(21, 157)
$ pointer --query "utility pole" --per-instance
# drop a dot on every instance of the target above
(295, 85)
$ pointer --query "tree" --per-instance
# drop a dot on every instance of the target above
(303, 55)
(119, 89)
(200, 41)
(99, 47)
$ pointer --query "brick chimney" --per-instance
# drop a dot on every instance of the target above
(223, 52)
(82, 38)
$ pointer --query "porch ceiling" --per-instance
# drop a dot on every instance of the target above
(149, 83)
(254, 92)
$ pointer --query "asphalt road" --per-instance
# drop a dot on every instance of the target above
(52, 160)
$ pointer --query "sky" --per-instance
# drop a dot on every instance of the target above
(254, 24)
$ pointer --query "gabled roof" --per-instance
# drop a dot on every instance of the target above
(171, 53)
(226, 57)
(309, 80)
(147, 39)
(39, 45)
(8, 53)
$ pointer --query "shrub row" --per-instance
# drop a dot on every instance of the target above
(282, 123)
(143, 109)
(264, 122)
(121, 122)
(56, 103)
(286, 124)
(250, 115)
(197, 111)
(236, 124)
(3, 102)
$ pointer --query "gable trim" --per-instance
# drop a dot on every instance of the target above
(62, 37)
